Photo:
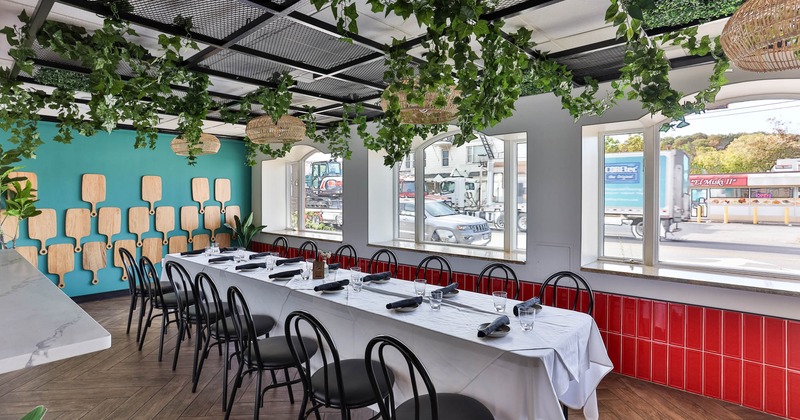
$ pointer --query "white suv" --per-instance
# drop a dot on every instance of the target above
(443, 224)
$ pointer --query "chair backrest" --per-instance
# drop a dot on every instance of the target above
(504, 273)
(308, 249)
(243, 325)
(181, 283)
(578, 282)
(209, 302)
(387, 407)
(281, 246)
(441, 275)
(131, 270)
(298, 320)
(346, 253)
(378, 258)
(149, 281)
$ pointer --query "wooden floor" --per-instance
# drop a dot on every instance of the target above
(122, 383)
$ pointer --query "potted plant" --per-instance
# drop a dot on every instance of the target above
(243, 232)
(16, 200)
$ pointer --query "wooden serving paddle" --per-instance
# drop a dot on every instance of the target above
(201, 241)
(138, 222)
(93, 190)
(153, 249)
(78, 225)
(200, 192)
(42, 228)
(165, 221)
(212, 221)
(60, 261)
(230, 212)
(94, 258)
(151, 190)
(222, 191)
(178, 244)
(189, 220)
(128, 244)
(30, 176)
(108, 223)
(30, 253)
(224, 240)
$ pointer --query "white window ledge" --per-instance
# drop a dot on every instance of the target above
(332, 237)
(457, 251)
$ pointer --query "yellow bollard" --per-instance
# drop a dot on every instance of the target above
(755, 215)
(786, 216)
(725, 214)
(699, 213)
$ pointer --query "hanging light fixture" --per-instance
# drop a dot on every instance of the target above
(209, 145)
(428, 112)
(264, 130)
(764, 35)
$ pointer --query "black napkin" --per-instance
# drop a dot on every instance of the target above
(195, 252)
(450, 288)
(377, 276)
(405, 303)
(290, 273)
(332, 285)
(530, 303)
(219, 259)
(227, 249)
(333, 266)
(251, 265)
(289, 261)
(497, 323)
(260, 255)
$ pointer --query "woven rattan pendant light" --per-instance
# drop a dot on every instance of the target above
(264, 130)
(764, 35)
(209, 145)
(427, 113)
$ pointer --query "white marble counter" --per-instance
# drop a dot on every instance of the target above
(38, 322)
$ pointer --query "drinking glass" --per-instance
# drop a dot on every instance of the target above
(240, 255)
(309, 269)
(499, 299)
(526, 318)
(419, 287)
(214, 248)
(436, 300)
(270, 263)
(356, 279)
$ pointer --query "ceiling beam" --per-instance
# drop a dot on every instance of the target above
(37, 19)
(230, 40)
(518, 8)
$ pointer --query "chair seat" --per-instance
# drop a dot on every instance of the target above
(451, 406)
(262, 324)
(357, 388)
(212, 312)
(275, 353)
(165, 287)
(172, 301)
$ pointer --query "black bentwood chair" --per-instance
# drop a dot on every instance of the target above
(443, 274)
(281, 246)
(187, 313)
(159, 299)
(265, 354)
(429, 406)
(346, 253)
(139, 293)
(504, 273)
(377, 261)
(308, 249)
(342, 384)
(575, 279)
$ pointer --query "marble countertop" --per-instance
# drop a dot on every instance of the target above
(39, 323)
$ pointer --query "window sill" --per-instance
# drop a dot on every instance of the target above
(475, 253)
(737, 281)
(332, 237)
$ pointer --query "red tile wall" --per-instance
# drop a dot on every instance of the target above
(745, 359)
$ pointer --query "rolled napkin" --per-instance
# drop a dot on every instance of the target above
(220, 259)
(289, 261)
(332, 285)
(497, 323)
(530, 303)
(290, 273)
(195, 252)
(249, 266)
(227, 249)
(377, 276)
(450, 288)
(333, 266)
(260, 255)
(405, 303)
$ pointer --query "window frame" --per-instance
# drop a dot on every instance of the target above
(300, 165)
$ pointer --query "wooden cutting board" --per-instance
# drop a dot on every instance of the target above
(224, 240)
(212, 221)
(200, 192)
(165, 221)
(30, 253)
(151, 190)
(9, 225)
(78, 225)
(60, 261)
(222, 191)
(108, 223)
(153, 249)
(200, 241)
(93, 190)
(178, 244)
(42, 228)
(189, 220)
(30, 176)
(138, 222)
(229, 213)
(94, 258)
(128, 244)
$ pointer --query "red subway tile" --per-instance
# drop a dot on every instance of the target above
(643, 361)
(537, 287)
(614, 313)
(527, 291)
(732, 380)
(694, 371)
(600, 311)
(753, 335)
(753, 385)
(675, 367)
(732, 334)
(793, 345)
(628, 356)
(694, 327)
(712, 376)
(712, 340)
(677, 317)
(583, 302)
(562, 300)
(660, 321)
(775, 341)
(659, 363)
(645, 321)
(614, 344)
(775, 390)
(629, 316)
(794, 391)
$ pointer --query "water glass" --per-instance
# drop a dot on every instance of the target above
(356, 279)
(309, 269)
(526, 318)
(419, 286)
(499, 299)
(436, 300)
(214, 248)
(240, 255)
(270, 263)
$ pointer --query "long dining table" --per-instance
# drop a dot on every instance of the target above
(522, 375)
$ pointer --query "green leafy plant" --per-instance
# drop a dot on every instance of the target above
(17, 200)
(243, 232)
(35, 414)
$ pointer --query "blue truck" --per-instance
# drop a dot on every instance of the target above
(624, 190)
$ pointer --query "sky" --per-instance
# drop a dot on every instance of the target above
(742, 117)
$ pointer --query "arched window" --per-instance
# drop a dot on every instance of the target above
(315, 193)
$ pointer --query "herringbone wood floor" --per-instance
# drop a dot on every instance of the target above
(123, 383)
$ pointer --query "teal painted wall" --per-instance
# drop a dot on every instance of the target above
(59, 168)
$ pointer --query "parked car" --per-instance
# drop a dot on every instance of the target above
(443, 224)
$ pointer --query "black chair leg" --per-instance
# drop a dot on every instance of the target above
(289, 385)
(181, 330)
(141, 317)
(259, 398)
(565, 409)
(147, 324)
(198, 343)
(236, 384)
(163, 334)
(226, 366)
(130, 316)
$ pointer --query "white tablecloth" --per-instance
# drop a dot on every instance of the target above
(523, 375)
